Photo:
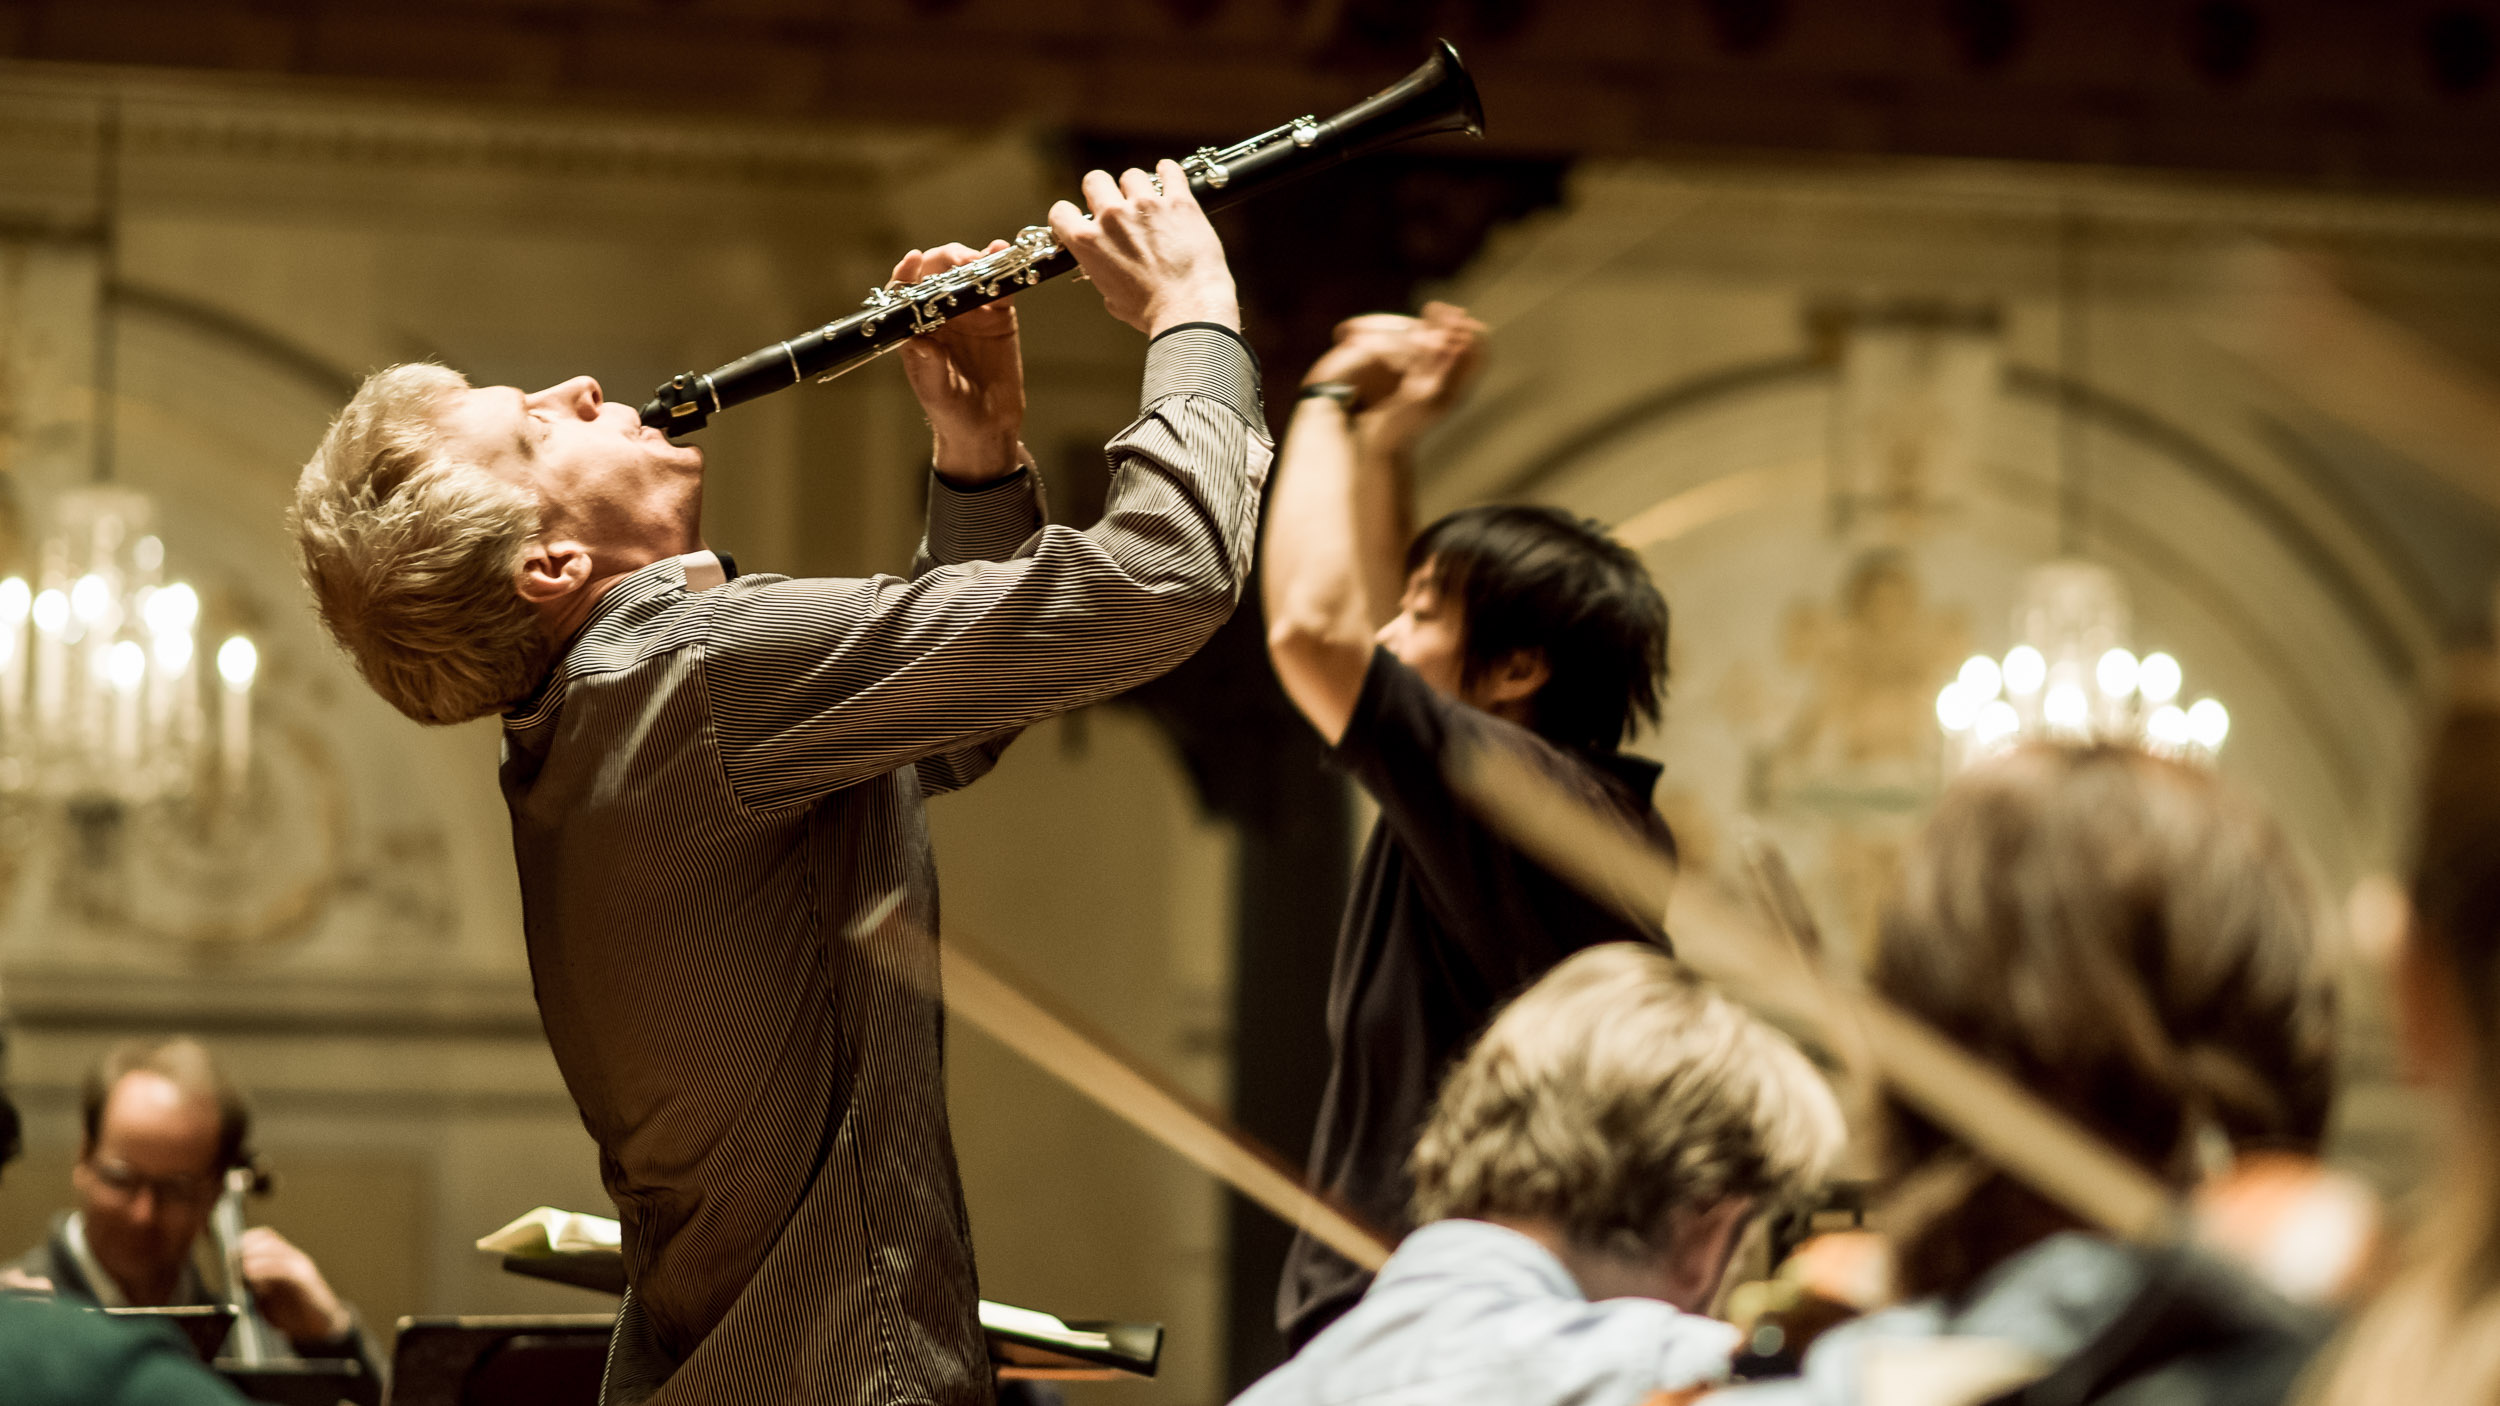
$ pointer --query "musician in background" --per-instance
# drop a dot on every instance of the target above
(162, 1124)
(1586, 1175)
(2138, 948)
(716, 785)
(54, 1354)
(2433, 1333)
(1516, 626)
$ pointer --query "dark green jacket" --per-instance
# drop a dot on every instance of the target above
(52, 1354)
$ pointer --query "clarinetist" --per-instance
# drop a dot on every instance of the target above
(716, 781)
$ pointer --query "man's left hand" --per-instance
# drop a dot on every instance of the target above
(969, 376)
(1408, 371)
(289, 1289)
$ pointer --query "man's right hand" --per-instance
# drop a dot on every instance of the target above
(1153, 255)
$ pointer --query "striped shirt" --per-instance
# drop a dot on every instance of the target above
(729, 895)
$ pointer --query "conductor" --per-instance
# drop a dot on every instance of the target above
(716, 781)
(1508, 626)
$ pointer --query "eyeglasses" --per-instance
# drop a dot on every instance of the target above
(126, 1183)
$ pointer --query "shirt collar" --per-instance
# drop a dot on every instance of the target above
(694, 571)
(705, 569)
(1632, 769)
(107, 1289)
(1478, 1251)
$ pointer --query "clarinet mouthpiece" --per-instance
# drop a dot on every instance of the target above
(677, 408)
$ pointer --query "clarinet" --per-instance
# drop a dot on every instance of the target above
(1438, 96)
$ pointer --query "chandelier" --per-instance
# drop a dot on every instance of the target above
(104, 696)
(2073, 677)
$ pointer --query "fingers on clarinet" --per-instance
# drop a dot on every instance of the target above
(1136, 184)
(907, 268)
(994, 246)
(1175, 181)
(1101, 190)
(1068, 224)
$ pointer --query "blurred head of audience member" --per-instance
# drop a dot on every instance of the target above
(1580, 1187)
(2137, 947)
(2434, 1335)
(2133, 943)
(1632, 1120)
(161, 1127)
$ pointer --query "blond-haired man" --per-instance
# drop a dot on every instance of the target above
(1583, 1181)
(716, 782)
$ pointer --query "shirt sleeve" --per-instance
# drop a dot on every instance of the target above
(990, 522)
(1507, 912)
(985, 523)
(817, 685)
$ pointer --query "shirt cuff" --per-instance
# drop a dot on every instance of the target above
(1206, 359)
(986, 522)
(1230, 331)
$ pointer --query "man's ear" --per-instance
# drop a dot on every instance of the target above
(1702, 1242)
(553, 571)
(1515, 678)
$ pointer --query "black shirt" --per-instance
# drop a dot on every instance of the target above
(1445, 922)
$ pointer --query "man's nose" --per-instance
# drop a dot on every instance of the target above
(581, 396)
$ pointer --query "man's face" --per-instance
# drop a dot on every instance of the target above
(149, 1180)
(605, 480)
(1429, 634)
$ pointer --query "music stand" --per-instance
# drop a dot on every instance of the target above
(516, 1359)
(204, 1325)
(313, 1381)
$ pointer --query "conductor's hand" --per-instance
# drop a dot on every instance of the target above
(1154, 256)
(969, 376)
(1407, 371)
(289, 1288)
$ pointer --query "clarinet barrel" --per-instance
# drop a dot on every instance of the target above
(1438, 96)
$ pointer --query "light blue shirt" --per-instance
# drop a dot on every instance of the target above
(2050, 1301)
(1470, 1312)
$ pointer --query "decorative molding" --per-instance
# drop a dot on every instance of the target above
(49, 111)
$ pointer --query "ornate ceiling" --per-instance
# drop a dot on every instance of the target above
(2397, 94)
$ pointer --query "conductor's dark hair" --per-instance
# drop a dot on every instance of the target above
(187, 1065)
(1539, 579)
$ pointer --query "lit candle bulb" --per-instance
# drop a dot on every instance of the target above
(237, 661)
(126, 668)
(16, 603)
(169, 614)
(50, 614)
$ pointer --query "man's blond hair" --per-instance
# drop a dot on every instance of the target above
(1616, 1090)
(414, 556)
